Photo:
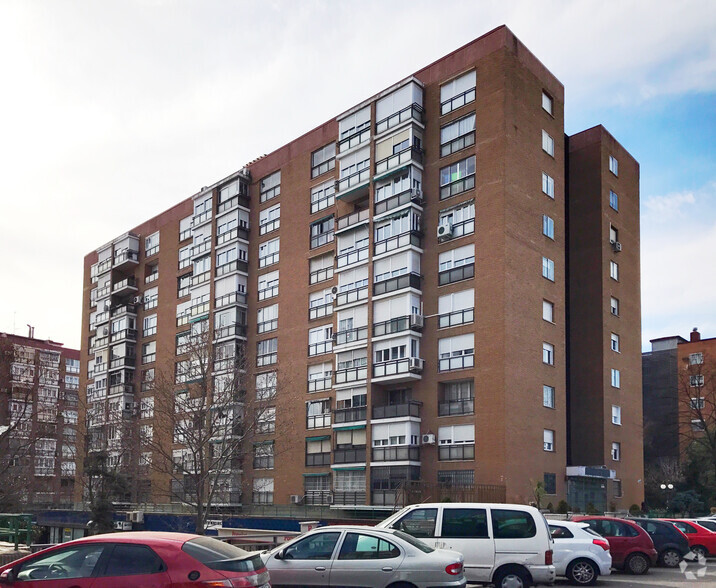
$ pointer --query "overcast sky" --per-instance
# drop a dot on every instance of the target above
(114, 111)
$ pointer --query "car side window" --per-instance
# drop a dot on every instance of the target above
(596, 526)
(684, 528)
(627, 530)
(360, 546)
(128, 559)
(318, 546)
(419, 522)
(77, 561)
(560, 532)
(512, 524)
(465, 522)
(610, 529)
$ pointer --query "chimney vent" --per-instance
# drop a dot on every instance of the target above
(695, 335)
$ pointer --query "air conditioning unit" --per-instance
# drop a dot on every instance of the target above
(137, 299)
(329, 498)
(416, 320)
(415, 364)
(445, 231)
(136, 516)
(334, 290)
(128, 405)
(105, 331)
(427, 439)
(617, 246)
(296, 499)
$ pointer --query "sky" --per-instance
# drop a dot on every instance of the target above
(111, 112)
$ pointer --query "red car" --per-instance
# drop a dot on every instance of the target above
(631, 547)
(701, 540)
(147, 559)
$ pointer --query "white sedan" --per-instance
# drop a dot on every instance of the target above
(362, 556)
(580, 554)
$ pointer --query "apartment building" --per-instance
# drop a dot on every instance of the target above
(404, 281)
(39, 398)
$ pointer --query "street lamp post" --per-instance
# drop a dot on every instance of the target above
(667, 488)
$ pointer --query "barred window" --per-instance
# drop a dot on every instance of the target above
(453, 478)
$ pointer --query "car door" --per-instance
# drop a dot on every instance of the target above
(516, 538)
(131, 564)
(366, 560)
(420, 523)
(304, 562)
(563, 547)
(68, 567)
(466, 530)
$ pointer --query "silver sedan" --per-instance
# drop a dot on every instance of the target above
(362, 556)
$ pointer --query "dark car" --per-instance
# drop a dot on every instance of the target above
(670, 543)
(147, 559)
(631, 546)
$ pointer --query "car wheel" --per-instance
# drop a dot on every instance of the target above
(700, 550)
(401, 585)
(670, 558)
(512, 578)
(637, 564)
(582, 572)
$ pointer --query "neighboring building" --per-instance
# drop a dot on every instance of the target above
(39, 399)
(406, 272)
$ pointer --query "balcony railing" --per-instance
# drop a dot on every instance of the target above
(230, 267)
(354, 218)
(266, 359)
(234, 233)
(120, 362)
(322, 239)
(398, 324)
(350, 336)
(352, 455)
(123, 258)
(184, 235)
(230, 299)
(350, 296)
(386, 497)
(128, 334)
(400, 453)
(234, 201)
(104, 266)
(318, 459)
(269, 226)
(318, 498)
(456, 407)
(456, 274)
(323, 167)
(354, 140)
(320, 310)
(318, 421)
(391, 411)
(414, 238)
(350, 415)
(199, 308)
(121, 388)
(200, 278)
(457, 187)
(414, 112)
(270, 292)
(320, 348)
(201, 218)
(153, 277)
(456, 452)
(351, 374)
(353, 181)
(457, 144)
(266, 326)
(409, 155)
(269, 259)
(318, 384)
(411, 280)
(396, 200)
(394, 367)
(127, 284)
(457, 317)
(458, 362)
(320, 275)
(348, 498)
(457, 101)
(350, 257)
(230, 331)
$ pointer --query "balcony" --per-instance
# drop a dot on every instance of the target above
(386, 497)
(456, 452)
(353, 186)
(201, 248)
(398, 160)
(100, 342)
(351, 220)
(318, 384)
(104, 291)
(269, 226)
(351, 141)
(348, 498)
(199, 308)
(353, 455)
(125, 286)
(456, 407)
(104, 266)
(456, 274)
(393, 411)
(350, 336)
(201, 218)
(455, 318)
(121, 388)
(351, 375)
(352, 256)
(411, 280)
(318, 498)
(121, 362)
(412, 112)
(125, 259)
(350, 415)
(200, 278)
(123, 335)
(458, 362)
(236, 232)
(413, 322)
(320, 348)
(398, 370)
(350, 296)
(322, 239)
(233, 202)
(318, 459)
(318, 421)
(228, 268)
(269, 259)
(266, 293)
(400, 453)
(230, 331)
(184, 235)
(101, 318)
(320, 310)
(414, 238)
(153, 277)
(230, 299)
(396, 200)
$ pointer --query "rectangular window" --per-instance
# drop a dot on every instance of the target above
(614, 306)
(323, 160)
(616, 414)
(547, 226)
(548, 311)
(613, 165)
(269, 219)
(550, 483)
(263, 456)
(696, 358)
(269, 252)
(615, 342)
(548, 396)
(548, 269)
(322, 232)
(548, 353)
(616, 378)
(321, 268)
(270, 187)
(265, 385)
(267, 352)
(459, 219)
(616, 451)
(320, 340)
(455, 353)
(149, 325)
(456, 264)
(457, 135)
(457, 92)
(548, 185)
(263, 491)
(456, 478)
(456, 398)
(547, 102)
(151, 244)
(614, 270)
(456, 435)
(457, 178)
(696, 381)
(548, 440)
(457, 308)
(266, 420)
(698, 403)
(614, 200)
(267, 319)
(268, 285)
(185, 228)
(547, 143)
(323, 196)
(318, 414)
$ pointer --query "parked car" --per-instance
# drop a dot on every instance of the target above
(701, 540)
(670, 543)
(631, 547)
(709, 524)
(504, 544)
(580, 554)
(362, 556)
(145, 558)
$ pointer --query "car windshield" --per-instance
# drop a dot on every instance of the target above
(710, 525)
(424, 547)
(218, 555)
(592, 532)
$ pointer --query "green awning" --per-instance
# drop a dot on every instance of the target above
(319, 438)
(349, 469)
(316, 475)
(351, 428)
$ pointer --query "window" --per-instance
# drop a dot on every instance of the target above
(455, 309)
(550, 483)
(146, 407)
(548, 440)
(151, 244)
(547, 102)
(270, 187)
(151, 296)
(615, 342)
(149, 351)
(268, 285)
(131, 560)
(616, 378)
(269, 252)
(457, 135)
(696, 358)
(263, 491)
(616, 414)
(547, 226)
(263, 456)
(78, 561)
(185, 228)
(460, 219)
(269, 219)
(456, 478)
(457, 178)
(456, 398)
(457, 92)
(266, 420)
(464, 523)
(616, 451)
(318, 414)
(614, 270)
(318, 451)
(512, 524)
(548, 353)
(696, 381)
(353, 124)
(267, 318)
(183, 285)
(455, 353)
(321, 268)
(613, 234)
(548, 269)
(698, 403)
(613, 165)
(72, 366)
(456, 442)
(320, 340)
(322, 232)
(548, 396)
(548, 185)
(185, 256)
(614, 306)
(360, 546)
(548, 311)
(323, 160)
(614, 200)
(456, 264)
(547, 143)
(419, 522)
(316, 547)
(267, 352)
(323, 196)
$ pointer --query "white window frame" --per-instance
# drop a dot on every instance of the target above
(548, 311)
(548, 185)
(616, 451)
(615, 343)
(548, 269)
(547, 353)
(547, 103)
(616, 414)
(548, 440)
(547, 143)
(614, 165)
(548, 396)
(548, 226)
(616, 378)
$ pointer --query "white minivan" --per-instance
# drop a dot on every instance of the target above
(506, 544)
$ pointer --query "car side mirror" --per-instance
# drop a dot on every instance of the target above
(8, 577)
(280, 554)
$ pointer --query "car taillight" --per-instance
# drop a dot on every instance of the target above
(251, 581)
(548, 557)
(603, 543)
(454, 569)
